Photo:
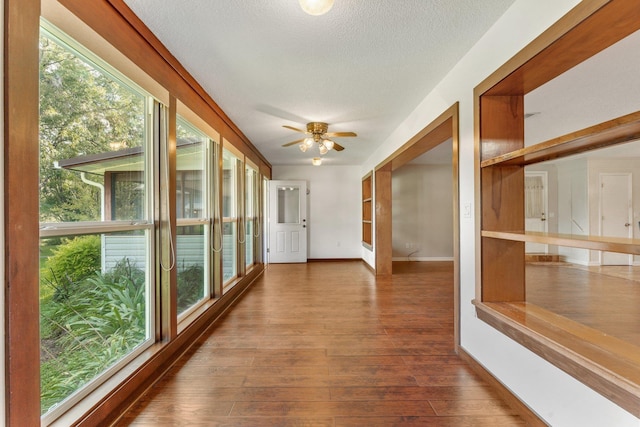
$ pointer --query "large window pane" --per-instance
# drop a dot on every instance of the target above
(93, 307)
(250, 214)
(95, 289)
(229, 214)
(91, 125)
(191, 203)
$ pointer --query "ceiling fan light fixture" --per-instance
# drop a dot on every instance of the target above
(328, 144)
(322, 149)
(308, 142)
(303, 147)
(316, 7)
(316, 161)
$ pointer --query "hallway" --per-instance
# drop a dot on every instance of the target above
(325, 344)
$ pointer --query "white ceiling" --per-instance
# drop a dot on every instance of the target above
(362, 67)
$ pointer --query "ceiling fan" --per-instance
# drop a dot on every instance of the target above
(317, 132)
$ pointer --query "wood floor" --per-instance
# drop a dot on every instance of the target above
(325, 344)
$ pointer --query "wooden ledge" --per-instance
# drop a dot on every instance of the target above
(606, 364)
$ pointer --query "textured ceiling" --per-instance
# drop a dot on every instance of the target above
(362, 67)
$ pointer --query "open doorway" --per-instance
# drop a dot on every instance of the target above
(436, 138)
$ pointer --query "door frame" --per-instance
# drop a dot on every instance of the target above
(303, 215)
(443, 128)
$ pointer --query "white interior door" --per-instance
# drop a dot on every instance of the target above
(535, 208)
(615, 213)
(287, 221)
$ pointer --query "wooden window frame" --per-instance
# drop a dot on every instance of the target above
(593, 25)
(113, 22)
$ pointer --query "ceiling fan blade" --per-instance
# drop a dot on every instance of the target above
(339, 134)
(288, 144)
(292, 128)
(337, 146)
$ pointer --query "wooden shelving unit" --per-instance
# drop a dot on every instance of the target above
(367, 210)
(610, 367)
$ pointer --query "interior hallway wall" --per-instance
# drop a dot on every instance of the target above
(422, 213)
(334, 208)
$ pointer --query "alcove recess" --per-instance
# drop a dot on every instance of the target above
(367, 210)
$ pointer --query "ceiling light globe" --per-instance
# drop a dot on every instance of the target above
(308, 142)
(328, 143)
(316, 161)
(316, 7)
(303, 147)
(322, 148)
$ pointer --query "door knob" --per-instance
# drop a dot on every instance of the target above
(627, 224)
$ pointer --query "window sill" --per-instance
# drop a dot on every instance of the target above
(604, 363)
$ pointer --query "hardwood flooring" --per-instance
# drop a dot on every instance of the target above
(603, 298)
(326, 344)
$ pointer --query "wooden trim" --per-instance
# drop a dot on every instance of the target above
(334, 259)
(617, 131)
(588, 28)
(430, 136)
(609, 366)
(383, 221)
(21, 246)
(596, 243)
(455, 172)
(531, 418)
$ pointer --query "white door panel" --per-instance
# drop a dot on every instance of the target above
(536, 196)
(615, 213)
(287, 221)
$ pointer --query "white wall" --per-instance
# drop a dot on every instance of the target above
(334, 208)
(558, 398)
(422, 213)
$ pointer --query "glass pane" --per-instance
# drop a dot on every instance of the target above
(192, 265)
(248, 251)
(91, 125)
(191, 202)
(288, 205)
(249, 214)
(93, 307)
(191, 166)
(229, 209)
(229, 258)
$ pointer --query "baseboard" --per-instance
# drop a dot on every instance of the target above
(531, 418)
(332, 259)
(422, 259)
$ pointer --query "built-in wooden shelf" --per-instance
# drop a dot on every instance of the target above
(617, 131)
(599, 243)
(367, 210)
(613, 365)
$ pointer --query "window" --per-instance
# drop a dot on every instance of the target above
(251, 220)
(193, 215)
(229, 216)
(95, 221)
